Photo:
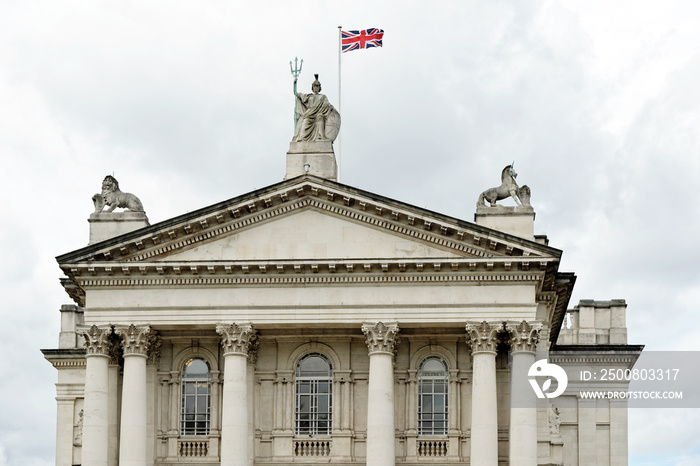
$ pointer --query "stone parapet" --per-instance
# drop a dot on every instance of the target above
(595, 323)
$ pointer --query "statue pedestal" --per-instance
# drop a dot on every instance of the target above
(105, 225)
(318, 155)
(515, 220)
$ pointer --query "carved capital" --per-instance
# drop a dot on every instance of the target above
(381, 338)
(523, 336)
(483, 336)
(237, 339)
(97, 341)
(135, 340)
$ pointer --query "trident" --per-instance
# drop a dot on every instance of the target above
(296, 71)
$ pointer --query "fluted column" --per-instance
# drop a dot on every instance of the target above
(236, 340)
(96, 408)
(483, 338)
(381, 340)
(523, 402)
(133, 432)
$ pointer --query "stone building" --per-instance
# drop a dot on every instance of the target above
(311, 322)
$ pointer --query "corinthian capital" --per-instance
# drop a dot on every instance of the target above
(97, 341)
(381, 338)
(523, 336)
(135, 340)
(483, 336)
(237, 339)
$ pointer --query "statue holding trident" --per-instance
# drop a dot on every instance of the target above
(316, 119)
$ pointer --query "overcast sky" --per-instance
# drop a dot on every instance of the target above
(190, 103)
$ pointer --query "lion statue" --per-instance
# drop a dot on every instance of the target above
(113, 197)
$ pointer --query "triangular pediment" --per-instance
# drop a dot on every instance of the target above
(310, 233)
(308, 218)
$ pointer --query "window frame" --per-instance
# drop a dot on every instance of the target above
(426, 419)
(200, 416)
(312, 388)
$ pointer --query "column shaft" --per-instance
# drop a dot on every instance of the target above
(484, 428)
(95, 411)
(234, 418)
(132, 438)
(380, 411)
(523, 412)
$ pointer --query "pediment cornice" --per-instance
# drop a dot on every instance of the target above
(163, 239)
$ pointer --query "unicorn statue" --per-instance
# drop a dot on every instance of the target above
(508, 188)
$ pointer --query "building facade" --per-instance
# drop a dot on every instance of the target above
(312, 322)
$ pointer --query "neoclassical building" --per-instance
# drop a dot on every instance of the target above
(312, 322)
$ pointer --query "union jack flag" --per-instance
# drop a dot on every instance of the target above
(365, 39)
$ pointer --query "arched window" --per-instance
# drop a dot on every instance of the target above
(195, 398)
(432, 396)
(314, 396)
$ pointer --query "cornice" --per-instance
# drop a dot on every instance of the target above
(65, 358)
(194, 280)
(426, 266)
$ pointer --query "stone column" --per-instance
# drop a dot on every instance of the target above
(133, 433)
(96, 408)
(523, 401)
(236, 340)
(381, 340)
(483, 338)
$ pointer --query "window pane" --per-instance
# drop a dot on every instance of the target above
(427, 403)
(304, 404)
(438, 403)
(196, 367)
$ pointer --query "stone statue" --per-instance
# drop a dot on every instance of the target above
(508, 188)
(317, 119)
(78, 440)
(113, 197)
(553, 419)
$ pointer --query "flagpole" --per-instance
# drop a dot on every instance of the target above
(340, 46)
